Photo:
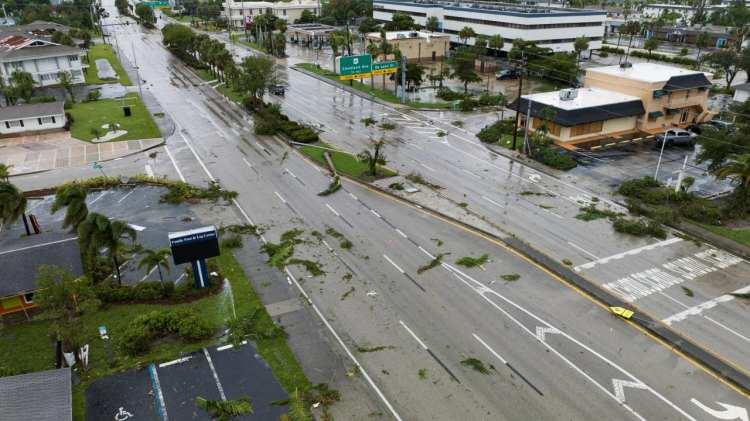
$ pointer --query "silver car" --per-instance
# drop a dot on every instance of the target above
(677, 137)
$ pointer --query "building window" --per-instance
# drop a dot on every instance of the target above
(72, 58)
(21, 122)
(552, 128)
(587, 128)
(7, 125)
(39, 120)
(46, 120)
(518, 25)
(53, 119)
(28, 298)
(283, 12)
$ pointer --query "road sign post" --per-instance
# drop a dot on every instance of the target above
(194, 247)
(384, 67)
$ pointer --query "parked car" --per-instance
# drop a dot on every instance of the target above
(677, 137)
(506, 74)
(718, 124)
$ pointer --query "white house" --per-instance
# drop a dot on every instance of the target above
(550, 27)
(27, 118)
(686, 12)
(238, 13)
(43, 59)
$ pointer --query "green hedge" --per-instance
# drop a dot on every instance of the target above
(653, 56)
(185, 323)
(269, 120)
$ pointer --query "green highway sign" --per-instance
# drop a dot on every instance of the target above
(384, 67)
(155, 4)
(354, 67)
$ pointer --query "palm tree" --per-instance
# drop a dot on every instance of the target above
(5, 172)
(496, 43)
(738, 170)
(97, 232)
(12, 205)
(72, 196)
(156, 258)
(465, 33)
(374, 158)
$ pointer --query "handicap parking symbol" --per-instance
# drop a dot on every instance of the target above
(123, 415)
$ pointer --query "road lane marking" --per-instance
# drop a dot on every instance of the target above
(158, 395)
(215, 374)
(394, 265)
(174, 164)
(492, 201)
(148, 274)
(375, 213)
(98, 197)
(413, 335)
(619, 386)
(353, 196)
(332, 210)
(177, 361)
(507, 364)
(280, 198)
(481, 289)
(575, 246)
(426, 252)
(470, 173)
(706, 305)
(401, 233)
(730, 412)
(428, 168)
(632, 252)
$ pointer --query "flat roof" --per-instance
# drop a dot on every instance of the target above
(396, 35)
(644, 72)
(498, 8)
(586, 98)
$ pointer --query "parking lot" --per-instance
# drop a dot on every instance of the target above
(141, 208)
(604, 169)
(168, 390)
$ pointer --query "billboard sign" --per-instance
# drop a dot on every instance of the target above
(384, 67)
(354, 67)
(196, 244)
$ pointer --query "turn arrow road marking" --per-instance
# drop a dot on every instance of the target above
(730, 412)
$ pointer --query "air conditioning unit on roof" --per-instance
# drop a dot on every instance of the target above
(568, 94)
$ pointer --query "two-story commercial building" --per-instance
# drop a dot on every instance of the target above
(643, 98)
(43, 59)
(240, 13)
(415, 45)
(554, 28)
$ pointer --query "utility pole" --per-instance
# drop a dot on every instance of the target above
(520, 87)
(403, 79)
(526, 128)
(137, 71)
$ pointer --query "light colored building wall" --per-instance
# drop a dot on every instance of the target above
(419, 48)
(609, 127)
(289, 11)
(32, 124)
(45, 71)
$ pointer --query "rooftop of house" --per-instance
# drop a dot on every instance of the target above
(39, 396)
(644, 72)
(396, 35)
(41, 109)
(18, 47)
(20, 258)
(584, 98)
(271, 5)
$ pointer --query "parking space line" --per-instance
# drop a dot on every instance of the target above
(575, 246)
(174, 163)
(216, 375)
(124, 197)
(158, 395)
(632, 252)
(173, 362)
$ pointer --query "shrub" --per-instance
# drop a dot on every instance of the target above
(68, 105)
(94, 95)
(489, 100)
(632, 188)
(446, 94)
(304, 135)
(639, 228)
(603, 54)
(467, 104)
(554, 159)
(68, 121)
(42, 99)
(492, 133)
(232, 242)
(144, 329)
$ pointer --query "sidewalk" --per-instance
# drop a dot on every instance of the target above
(29, 154)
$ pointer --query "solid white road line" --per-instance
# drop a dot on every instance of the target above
(401, 233)
(428, 168)
(413, 335)
(575, 246)
(177, 361)
(215, 374)
(492, 351)
(280, 198)
(149, 170)
(353, 196)
(426, 252)
(632, 252)
(375, 213)
(148, 274)
(178, 280)
(698, 309)
(174, 164)
(394, 265)
(492, 201)
(125, 197)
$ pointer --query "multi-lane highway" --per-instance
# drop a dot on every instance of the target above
(550, 352)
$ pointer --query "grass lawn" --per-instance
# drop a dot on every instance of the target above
(740, 235)
(225, 90)
(88, 115)
(345, 163)
(378, 93)
(105, 51)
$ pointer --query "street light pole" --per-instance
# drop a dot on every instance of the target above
(137, 71)
(658, 163)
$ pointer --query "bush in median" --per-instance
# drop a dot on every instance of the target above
(146, 328)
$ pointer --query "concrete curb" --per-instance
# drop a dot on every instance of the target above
(655, 327)
(162, 143)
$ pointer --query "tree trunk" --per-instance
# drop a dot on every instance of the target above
(161, 278)
(117, 269)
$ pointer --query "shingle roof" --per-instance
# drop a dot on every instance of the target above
(40, 396)
(692, 81)
(52, 50)
(569, 118)
(21, 259)
(42, 109)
